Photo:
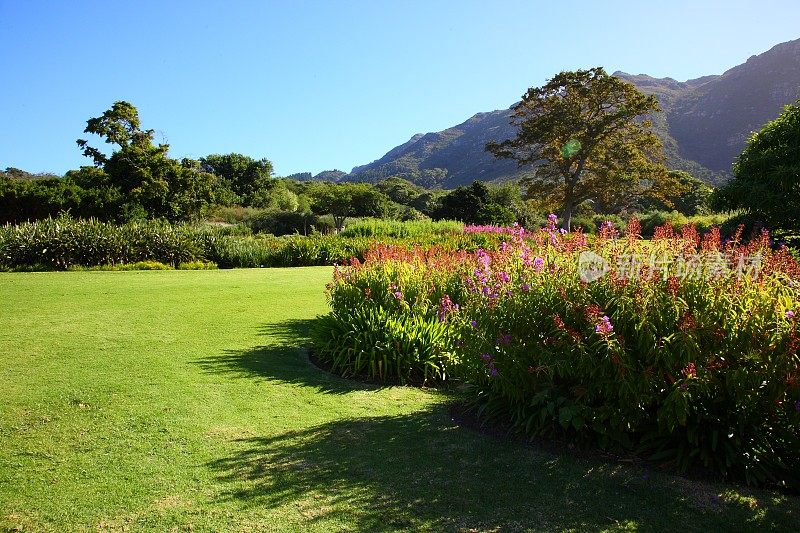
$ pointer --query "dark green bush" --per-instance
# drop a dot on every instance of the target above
(284, 223)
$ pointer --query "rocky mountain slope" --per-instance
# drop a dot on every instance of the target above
(704, 125)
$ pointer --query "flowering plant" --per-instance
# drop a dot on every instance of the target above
(697, 365)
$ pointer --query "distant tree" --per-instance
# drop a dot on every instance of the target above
(688, 195)
(400, 190)
(347, 200)
(671, 191)
(410, 213)
(301, 176)
(278, 196)
(331, 175)
(463, 203)
(496, 214)
(150, 183)
(766, 176)
(583, 131)
(429, 202)
(101, 198)
(245, 177)
(15, 173)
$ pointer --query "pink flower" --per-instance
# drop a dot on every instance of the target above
(789, 314)
(483, 258)
(446, 308)
(538, 263)
(604, 327)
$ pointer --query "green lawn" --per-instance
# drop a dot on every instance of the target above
(183, 400)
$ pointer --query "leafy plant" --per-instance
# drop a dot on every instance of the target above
(688, 355)
(385, 346)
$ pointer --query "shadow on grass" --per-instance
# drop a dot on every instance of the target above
(284, 360)
(422, 471)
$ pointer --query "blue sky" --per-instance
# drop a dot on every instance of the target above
(322, 85)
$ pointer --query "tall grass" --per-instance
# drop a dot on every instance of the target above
(373, 227)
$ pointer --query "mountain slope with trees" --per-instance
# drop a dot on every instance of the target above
(705, 123)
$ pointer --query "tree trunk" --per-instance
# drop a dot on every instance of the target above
(338, 221)
(566, 215)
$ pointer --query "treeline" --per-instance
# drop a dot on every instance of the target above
(139, 181)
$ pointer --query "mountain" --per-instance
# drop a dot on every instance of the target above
(704, 125)
(451, 157)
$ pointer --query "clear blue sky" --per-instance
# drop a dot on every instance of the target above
(332, 84)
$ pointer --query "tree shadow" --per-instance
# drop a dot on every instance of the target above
(422, 471)
(284, 359)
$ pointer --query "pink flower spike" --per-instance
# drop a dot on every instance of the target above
(604, 327)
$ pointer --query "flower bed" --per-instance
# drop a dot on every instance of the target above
(683, 347)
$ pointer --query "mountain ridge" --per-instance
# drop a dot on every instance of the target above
(704, 124)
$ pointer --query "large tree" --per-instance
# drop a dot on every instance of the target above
(476, 204)
(586, 133)
(342, 200)
(766, 176)
(247, 179)
(150, 182)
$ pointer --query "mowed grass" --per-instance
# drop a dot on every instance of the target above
(184, 400)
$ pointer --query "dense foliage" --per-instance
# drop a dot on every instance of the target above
(689, 355)
(766, 180)
(63, 243)
(146, 181)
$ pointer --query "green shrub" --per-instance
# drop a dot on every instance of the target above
(63, 242)
(141, 265)
(236, 215)
(371, 342)
(197, 265)
(284, 223)
(703, 223)
(238, 252)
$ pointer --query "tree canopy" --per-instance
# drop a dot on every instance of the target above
(342, 200)
(476, 204)
(246, 178)
(585, 134)
(150, 183)
(766, 176)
